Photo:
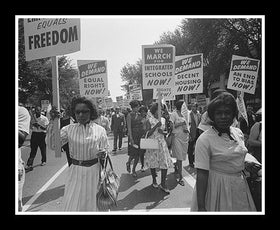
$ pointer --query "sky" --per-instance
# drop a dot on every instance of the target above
(119, 40)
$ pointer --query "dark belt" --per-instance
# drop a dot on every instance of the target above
(84, 163)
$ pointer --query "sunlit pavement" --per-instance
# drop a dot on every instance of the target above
(44, 186)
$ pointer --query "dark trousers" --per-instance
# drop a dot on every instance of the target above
(37, 140)
(118, 135)
(191, 152)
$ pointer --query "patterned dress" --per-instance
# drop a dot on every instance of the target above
(158, 158)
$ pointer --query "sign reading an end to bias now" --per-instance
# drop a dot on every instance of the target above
(188, 74)
(243, 74)
(158, 66)
(47, 37)
(93, 80)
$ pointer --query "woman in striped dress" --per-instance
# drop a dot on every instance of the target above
(87, 142)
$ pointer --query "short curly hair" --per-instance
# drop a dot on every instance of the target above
(154, 108)
(143, 108)
(224, 98)
(134, 103)
(88, 103)
(178, 104)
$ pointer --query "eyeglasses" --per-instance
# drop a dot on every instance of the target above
(82, 111)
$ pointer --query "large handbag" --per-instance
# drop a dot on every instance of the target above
(254, 180)
(146, 143)
(108, 187)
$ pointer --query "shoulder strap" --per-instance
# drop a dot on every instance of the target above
(106, 162)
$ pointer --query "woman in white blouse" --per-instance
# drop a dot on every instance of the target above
(219, 159)
(88, 143)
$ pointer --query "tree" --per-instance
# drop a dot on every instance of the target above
(218, 40)
(132, 74)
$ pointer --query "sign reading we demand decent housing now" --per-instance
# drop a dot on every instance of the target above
(243, 74)
(93, 80)
(158, 66)
(188, 74)
(47, 37)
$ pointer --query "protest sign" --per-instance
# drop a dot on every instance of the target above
(119, 100)
(46, 37)
(109, 102)
(101, 103)
(158, 66)
(49, 37)
(135, 92)
(93, 80)
(45, 105)
(243, 74)
(166, 94)
(201, 100)
(126, 103)
(188, 74)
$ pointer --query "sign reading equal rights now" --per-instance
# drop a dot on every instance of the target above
(47, 37)
(158, 66)
(93, 80)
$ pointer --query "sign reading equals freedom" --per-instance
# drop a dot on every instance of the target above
(158, 66)
(47, 37)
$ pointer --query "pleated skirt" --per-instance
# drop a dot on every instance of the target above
(81, 188)
(226, 193)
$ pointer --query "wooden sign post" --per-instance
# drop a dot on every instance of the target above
(159, 104)
(55, 91)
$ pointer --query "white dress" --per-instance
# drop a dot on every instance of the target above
(81, 182)
(180, 141)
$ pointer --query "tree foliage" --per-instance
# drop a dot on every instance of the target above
(218, 39)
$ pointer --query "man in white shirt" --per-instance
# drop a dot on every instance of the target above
(39, 126)
(103, 121)
(23, 131)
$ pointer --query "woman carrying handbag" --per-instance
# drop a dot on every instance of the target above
(88, 146)
(157, 158)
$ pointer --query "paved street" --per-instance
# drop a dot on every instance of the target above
(44, 186)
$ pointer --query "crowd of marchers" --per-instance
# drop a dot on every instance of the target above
(221, 146)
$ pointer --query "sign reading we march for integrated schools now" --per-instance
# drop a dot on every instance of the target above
(93, 80)
(47, 37)
(188, 74)
(158, 66)
(243, 74)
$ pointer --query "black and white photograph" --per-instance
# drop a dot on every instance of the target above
(139, 115)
